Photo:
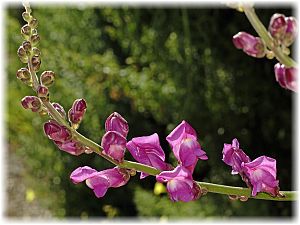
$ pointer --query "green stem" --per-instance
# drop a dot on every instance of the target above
(267, 38)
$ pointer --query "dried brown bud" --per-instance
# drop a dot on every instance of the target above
(27, 46)
(26, 30)
(33, 23)
(36, 63)
(22, 54)
(35, 39)
(47, 78)
(23, 74)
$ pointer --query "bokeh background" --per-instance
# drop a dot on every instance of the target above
(156, 67)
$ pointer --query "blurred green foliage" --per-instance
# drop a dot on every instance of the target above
(157, 67)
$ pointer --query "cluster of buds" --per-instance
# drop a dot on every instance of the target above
(283, 31)
(258, 174)
(61, 135)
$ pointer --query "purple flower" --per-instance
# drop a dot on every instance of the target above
(261, 173)
(147, 150)
(114, 145)
(180, 184)
(234, 156)
(286, 77)
(291, 31)
(56, 132)
(77, 111)
(278, 26)
(70, 146)
(251, 45)
(31, 102)
(115, 122)
(99, 182)
(187, 150)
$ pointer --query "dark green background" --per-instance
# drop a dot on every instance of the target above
(156, 67)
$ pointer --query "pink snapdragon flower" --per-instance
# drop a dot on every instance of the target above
(115, 122)
(180, 184)
(251, 45)
(261, 173)
(187, 150)
(147, 150)
(114, 145)
(99, 182)
(234, 156)
(56, 132)
(286, 77)
(77, 111)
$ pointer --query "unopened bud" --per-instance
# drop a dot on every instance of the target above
(33, 23)
(286, 77)
(43, 93)
(23, 74)
(56, 132)
(291, 31)
(36, 63)
(31, 102)
(59, 109)
(115, 122)
(36, 51)
(243, 198)
(251, 45)
(47, 78)
(26, 31)
(22, 54)
(35, 39)
(77, 111)
(27, 46)
(26, 16)
(277, 26)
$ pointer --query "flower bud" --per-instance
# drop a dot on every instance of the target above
(31, 102)
(115, 122)
(22, 54)
(47, 78)
(27, 46)
(35, 39)
(291, 31)
(33, 23)
(36, 51)
(26, 16)
(36, 63)
(26, 30)
(59, 109)
(23, 74)
(56, 132)
(277, 26)
(251, 45)
(77, 111)
(43, 93)
(286, 77)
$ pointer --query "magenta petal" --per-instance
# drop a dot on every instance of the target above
(147, 150)
(117, 177)
(183, 130)
(179, 171)
(114, 145)
(179, 190)
(81, 174)
(99, 184)
(71, 147)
